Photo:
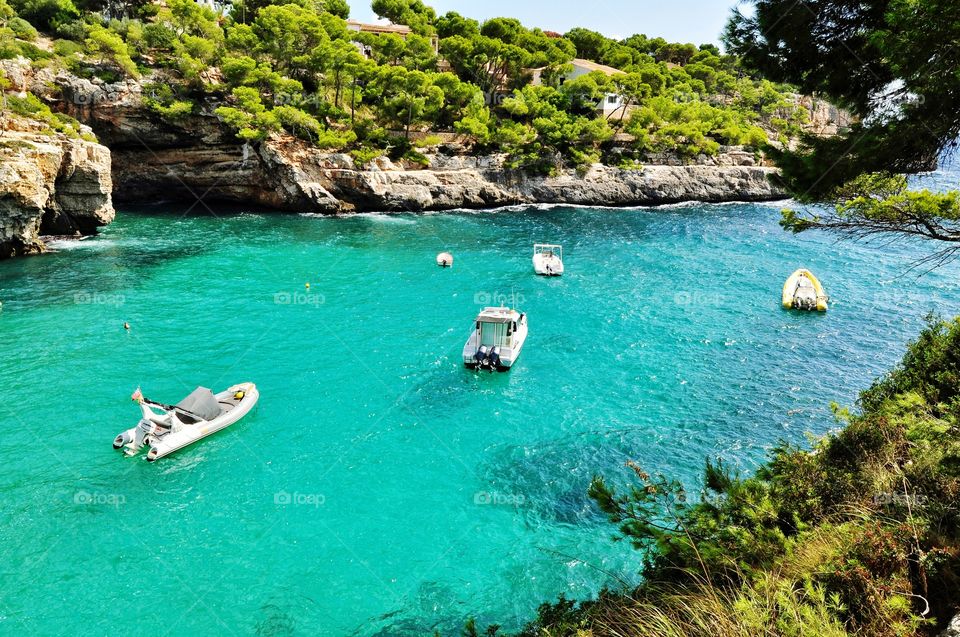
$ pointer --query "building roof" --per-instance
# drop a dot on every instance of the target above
(399, 29)
(593, 66)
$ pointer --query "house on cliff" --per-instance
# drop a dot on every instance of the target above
(611, 102)
(401, 30)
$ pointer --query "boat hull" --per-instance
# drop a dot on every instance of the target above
(547, 266)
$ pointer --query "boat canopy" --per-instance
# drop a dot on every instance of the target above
(201, 402)
(497, 315)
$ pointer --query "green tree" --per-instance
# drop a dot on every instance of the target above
(893, 65)
(590, 44)
(452, 23)
(250, 118)
(413, 13)
(559, 136)
(477, 122)
(111, 47)
(46, 15)
(293, 37)
(405, 98)
(344, 58)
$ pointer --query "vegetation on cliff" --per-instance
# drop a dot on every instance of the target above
(860, 536)
(294, 67)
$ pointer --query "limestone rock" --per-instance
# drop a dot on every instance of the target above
(50, 185)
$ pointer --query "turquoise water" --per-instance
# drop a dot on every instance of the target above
(379, 487)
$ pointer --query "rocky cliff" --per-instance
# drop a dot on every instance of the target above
(50, 184)
(194, 158)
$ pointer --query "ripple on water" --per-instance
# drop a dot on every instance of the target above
(445, 493)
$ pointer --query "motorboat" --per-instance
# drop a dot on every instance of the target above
(803, 291)
(496, 340)
(445, 260)
(548, 259)
(197, 416)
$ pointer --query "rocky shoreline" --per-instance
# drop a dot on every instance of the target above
(50, 185)
(144, 159)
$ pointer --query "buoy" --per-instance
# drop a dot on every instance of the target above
(306, 285)
(445, 260)
(126, 325)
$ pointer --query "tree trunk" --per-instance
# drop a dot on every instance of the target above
(337, 83)
(409, 119)
(353, 101)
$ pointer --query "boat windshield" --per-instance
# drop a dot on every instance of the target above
(494, 334)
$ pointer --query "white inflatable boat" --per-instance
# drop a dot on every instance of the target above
(197, 416)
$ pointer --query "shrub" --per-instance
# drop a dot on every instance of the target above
(75, 30)
(30, 106)
(364, 155)
(67, 48)
(159, 36)
(46, 14)
(22, 29)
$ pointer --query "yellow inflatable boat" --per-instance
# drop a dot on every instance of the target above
(803, 291)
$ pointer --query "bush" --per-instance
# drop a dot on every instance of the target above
(31, 106)
(67, 48)
(22, 29)
(364, 155)
(75, 30)
(47, 15)
(158, 36)
(162, 100)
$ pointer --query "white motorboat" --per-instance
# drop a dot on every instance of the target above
(197, 416)
(496, 340)
(548, 259)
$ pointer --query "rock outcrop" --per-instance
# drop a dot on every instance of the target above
(952, 629)
(288, 175)
(50, 184)
(331, 183)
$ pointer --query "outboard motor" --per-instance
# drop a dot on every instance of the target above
(488, 358)
(122, 439)
(144, 429)
(481, 356)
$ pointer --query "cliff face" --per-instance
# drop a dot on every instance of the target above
(333, 184)
(62, 186)
(194, 157)
(50, 185)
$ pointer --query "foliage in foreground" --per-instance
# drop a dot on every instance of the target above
(860, 536)
(892, 64)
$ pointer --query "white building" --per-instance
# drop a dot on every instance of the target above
(384, 29)
(611, 102)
